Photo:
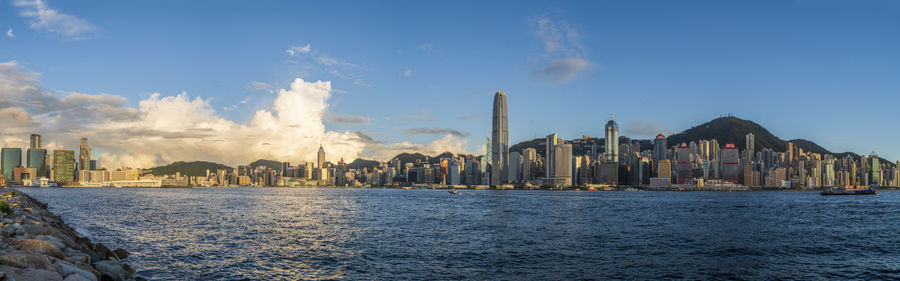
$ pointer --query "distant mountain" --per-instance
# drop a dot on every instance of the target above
(271, 164)
(538, 144)
(809, 146)
(360, 163)
(409, 158)
(195, 168)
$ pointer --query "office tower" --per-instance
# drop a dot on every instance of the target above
(562, 155)
(320, 160)
(500, 141)
(35, 141)
(529, 164)
(285, 166)
(640, 170)
(659, 148)
(731, 169)
(664, 169)
(875, 176)
(683, 163)
(37, 159)
(612, 141)
(789, 154)
(549, 162)
(11, 159)
(829, 171)
(454, 174)
(515, 167)
(64, 166)
(84, 155)
(750, 141)
(486, 161)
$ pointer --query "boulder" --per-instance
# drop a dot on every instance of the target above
(67, 269)
(25, 259)
(76, 277)
(53, 240)
(38, 274)
(112, 269)
(42, 247)
(121, 253)
(105, 253)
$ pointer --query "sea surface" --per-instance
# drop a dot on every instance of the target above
(392, 234)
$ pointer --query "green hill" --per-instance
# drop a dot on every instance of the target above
(195, 168)
(729, 130)
(271, 164)
(360, 163)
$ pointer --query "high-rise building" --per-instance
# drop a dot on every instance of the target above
(750, 140)
(84, 155)
(731, 166)
(35, 141)
(612, 141)
(529, 164)
(562, 154)
(659, 148)
(37, 159)
(500, 141)
(64, 166)
(683, 163)
(549, 162)
(11, 159)
(664, 169)
(875, 176)
(320, 160)
(515, 167)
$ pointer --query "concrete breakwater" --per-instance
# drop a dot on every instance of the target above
(37, 245)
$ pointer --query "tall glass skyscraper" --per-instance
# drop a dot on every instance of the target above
(659, 148)
(84, 155)
(612, 141)
(10, 159)
(499, 141)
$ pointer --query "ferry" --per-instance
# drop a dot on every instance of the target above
(851, 191)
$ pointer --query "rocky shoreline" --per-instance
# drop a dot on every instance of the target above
(37, 245)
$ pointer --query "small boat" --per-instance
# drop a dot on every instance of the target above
(454, 191)
(846, 191)
(591, 189)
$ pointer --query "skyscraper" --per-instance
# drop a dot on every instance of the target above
(683, 163)
(731, 169)
(64, 166)
(612, 141)
(529, 161)
(84, 155)
(35, 141)
(750, 140)
(320, 162)
(549, 162)
(500, 141)
(562, 155)
(37, 159)
(11, 159)
(659, 148)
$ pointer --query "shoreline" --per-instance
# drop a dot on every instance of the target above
(38, 245)
(608, 189)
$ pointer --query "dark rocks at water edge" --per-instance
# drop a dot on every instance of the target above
(37, 245)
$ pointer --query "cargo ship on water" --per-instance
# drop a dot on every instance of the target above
(851, 190)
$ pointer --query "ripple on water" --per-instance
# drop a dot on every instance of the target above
(287, 234)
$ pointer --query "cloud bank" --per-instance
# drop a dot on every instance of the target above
(164, 129)
(564, 58)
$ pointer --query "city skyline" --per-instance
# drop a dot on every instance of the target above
(374, 108)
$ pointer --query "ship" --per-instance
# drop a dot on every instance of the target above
(851, 191)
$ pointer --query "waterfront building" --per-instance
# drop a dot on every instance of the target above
(730, 164)
(683, 164)
(64, 166)
(529, 164)
(612, 141)
(35, 141)
(664, 169)
(563, 164)
(659, 148)
(875, 175)
(454, 174)
(320, 160)
(549, 164)
(750, 141)
(640, 170)
(10, 159)
(37, 159)
(500, 141)
(515, 167)
(84, 155)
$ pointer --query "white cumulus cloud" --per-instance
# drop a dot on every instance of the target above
(296, 50)
(9, 33)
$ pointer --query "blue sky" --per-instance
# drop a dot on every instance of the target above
(827, 71)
